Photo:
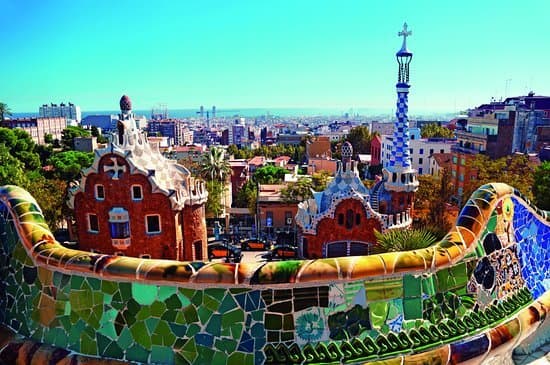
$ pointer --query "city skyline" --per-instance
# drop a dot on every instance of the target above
(274, 55)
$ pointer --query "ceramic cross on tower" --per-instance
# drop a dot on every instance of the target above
(404, 33)
(115, 167)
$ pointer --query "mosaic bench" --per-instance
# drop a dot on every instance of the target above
(474, 296)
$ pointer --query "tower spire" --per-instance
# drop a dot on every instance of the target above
(399, 174)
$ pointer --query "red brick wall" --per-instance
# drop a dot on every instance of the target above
(278, 209)
(328, 230)
(118, 194)
(397, 206)
(194, 229)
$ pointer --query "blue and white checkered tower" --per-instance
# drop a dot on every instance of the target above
(399, 175)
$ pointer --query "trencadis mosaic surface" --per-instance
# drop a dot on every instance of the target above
(477, 294)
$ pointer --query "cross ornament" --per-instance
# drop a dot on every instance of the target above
(115, 167)
(404, 33)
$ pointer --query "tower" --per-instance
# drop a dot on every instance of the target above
(399, 177)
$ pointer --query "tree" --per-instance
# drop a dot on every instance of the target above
(95, 133)
(4, 111)
(21, 146)
(69, 134)
(214, 204)
(246, 197)
(50, 194)
(432, 202)
(298, 191)
(320, 180)
(269, 174)
(516, 171)
(541, 186)
(68, 164)
(360, 139)
(433, 130)
(11, 169)
(214, 165)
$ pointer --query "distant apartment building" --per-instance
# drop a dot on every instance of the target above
(290, 139)
(85, 144)
(105, 122)
(39, 127)
(274, 214)
(383, 128)
(376, 151)
(316, 164)
(175, 129)
(440, 162)
(420, 150)
(69, 111)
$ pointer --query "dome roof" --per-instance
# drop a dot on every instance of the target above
(125, 103)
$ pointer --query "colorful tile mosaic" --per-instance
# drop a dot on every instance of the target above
(478, 293)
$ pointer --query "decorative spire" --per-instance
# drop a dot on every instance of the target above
(404, 33)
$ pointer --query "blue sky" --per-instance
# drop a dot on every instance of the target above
(337, 54)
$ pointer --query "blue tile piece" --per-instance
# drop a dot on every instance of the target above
(246, 344)
(204, 339)
(241, 299)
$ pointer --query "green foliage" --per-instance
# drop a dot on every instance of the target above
(4, 111)
(21, 146)
(320, 180)
(215, 202)
(298, 191)
(11, 169)
(404, 240)
(360, 139)
(269, 174)
(95, 133)
(50, 195)
(296, 153)
(246, 197)
(514, 170)
(431, 201)
(214, 165)
(68, 164)
(71, 132)
(541, 186)
(433, 130)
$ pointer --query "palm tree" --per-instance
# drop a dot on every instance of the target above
(214, 165)
(404, 240)
(216, 168)
(4, 111)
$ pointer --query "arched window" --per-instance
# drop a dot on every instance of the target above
(357, 219)
(341, 219)
(349, 219)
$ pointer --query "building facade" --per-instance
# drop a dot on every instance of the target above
(38, 128)
(132, 194)
(69, 111)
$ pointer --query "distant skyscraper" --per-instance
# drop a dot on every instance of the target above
(214, 111)
(69, 111)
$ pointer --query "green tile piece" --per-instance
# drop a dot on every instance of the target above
(288, 322)
(428, 286)
(215, 293)
(192, 330)
(88, 345)
(102, 343)
(125, 339)
(412, 286)
(151, 324)
(190, 314)
(228, 304)
(205, 354)
(219, 358)
(141, 335)
(211, 303)
(378, 313)
(204, 314)
(179, 330)
(214, 325)
(189, 350)
(94, 283)
(125, 290)
(162, 355)
(273, 321)
(144, 294)
(459, 274)
(144, 313)
(180, 360)
(166, 334)
(173, 302)
(137, 353)
(114, 351)
(109, 287)
(235, 316)
(412, 308)
(158, 309)
(169, 316)
(236, 330)
(226, 345)
(258, 315)
(236, 358)
(166, 292)
(197, 298)
(76, 282)
(108, 330)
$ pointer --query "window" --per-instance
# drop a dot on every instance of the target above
(288, 218)
(441, 151)
(421, 160)
(152, 223)
(421, 151)
(420, 170)
(136, 192)
(269, 219)
(99, 192)
(93, 223)
(145, 256)
(463, 161)
(119, 253)
(411, 151)
(341, 219)
(455, 160)
(357, 219)
(461, 177)
(431, 151)
(453, 173)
